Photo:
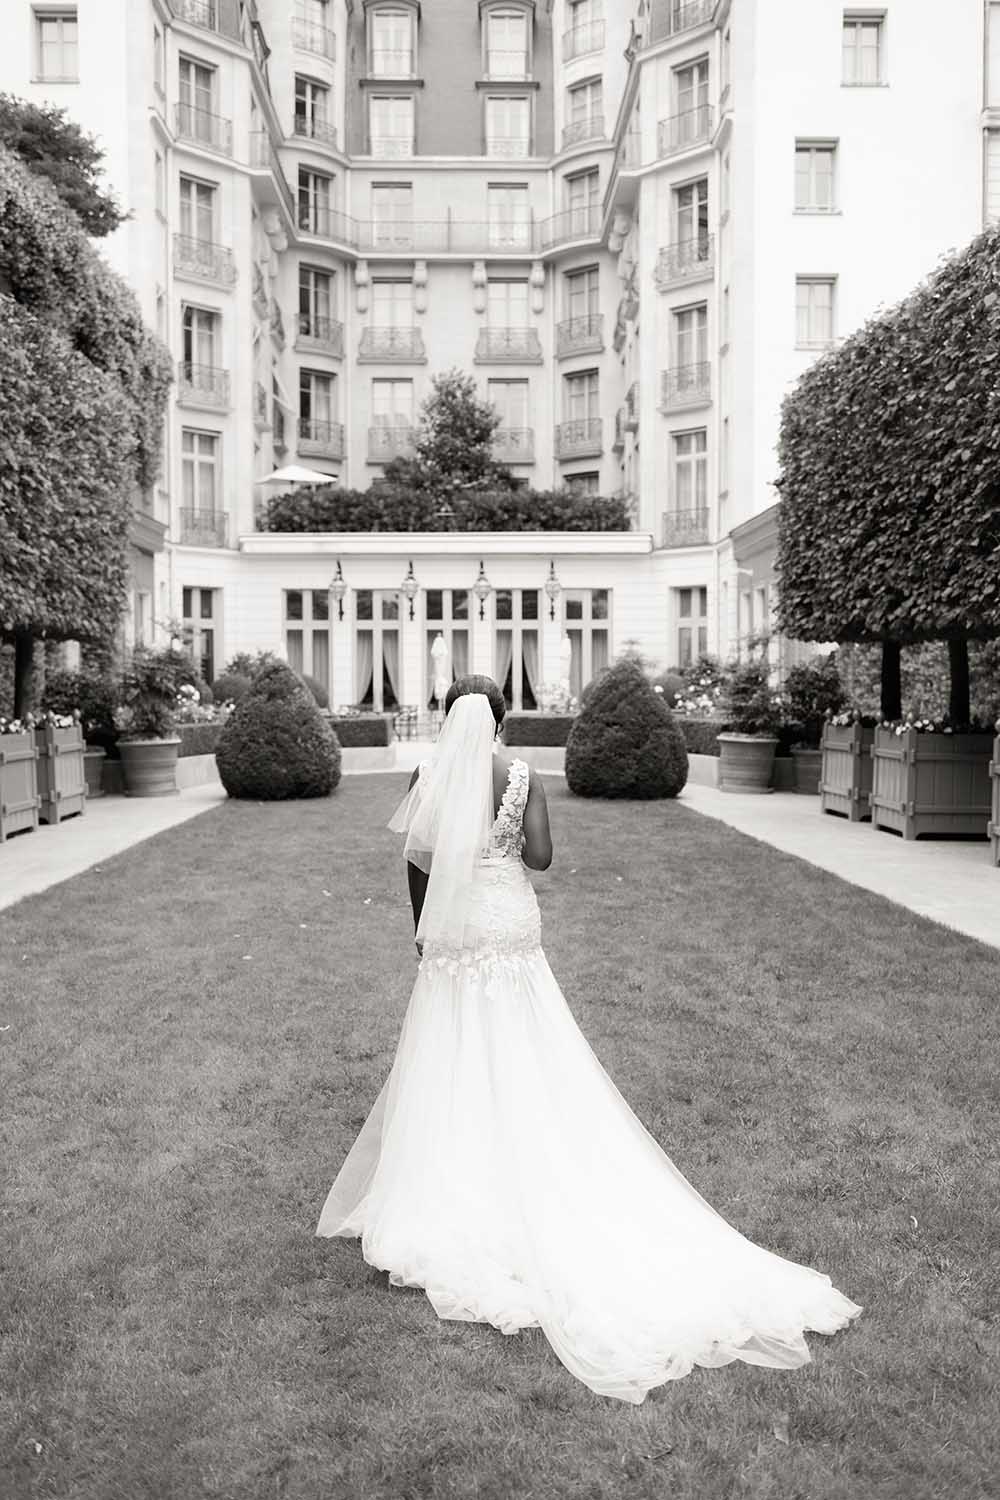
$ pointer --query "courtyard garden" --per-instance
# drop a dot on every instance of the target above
(193, 1032)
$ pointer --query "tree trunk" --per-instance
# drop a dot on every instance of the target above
(892, 680)
(959, 709)
(24, 672)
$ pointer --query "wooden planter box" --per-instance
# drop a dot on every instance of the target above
(62, 779)
(845, 783)
(993, 826)
(931, 783)
(18, 783)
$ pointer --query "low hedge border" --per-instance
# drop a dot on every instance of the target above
(537, 729)
(701, 736)
(198, 739)
(362, 730)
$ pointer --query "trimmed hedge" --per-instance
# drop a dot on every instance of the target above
(198, 739)
(701, 736)
(276, 743)
(361, 730)
(323, 508)
(231, 687)
(537, 728)
(625, 741)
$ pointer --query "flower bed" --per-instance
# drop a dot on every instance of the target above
(18, 779)
(357, 730)
(62, 781)
(537, 729)
(845, 782)
(930, 781)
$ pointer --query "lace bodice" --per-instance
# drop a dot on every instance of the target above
(507, 833)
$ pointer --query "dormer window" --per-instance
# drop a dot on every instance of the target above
(391, 42)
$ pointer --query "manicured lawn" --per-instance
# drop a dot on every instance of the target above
(194, 1033)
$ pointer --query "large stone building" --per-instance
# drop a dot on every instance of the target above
(635, 223)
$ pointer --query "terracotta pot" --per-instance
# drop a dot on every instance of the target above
(93, 770)
(150, 767)
(808, 769)
(746, 762)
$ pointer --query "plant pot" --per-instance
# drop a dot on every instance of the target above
(746, 762)
(150, 767)
(18, 783)
(62, 785)
(931, 783)
(93, 770)
(808, 767)
(846, 781)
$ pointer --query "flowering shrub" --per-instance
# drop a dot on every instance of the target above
(848, 716)
(935, 726)
(555, 698)
(45, 718)
(701, 699)
(13, 726)
(189, 709)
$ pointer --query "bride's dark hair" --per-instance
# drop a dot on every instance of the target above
(476, 683)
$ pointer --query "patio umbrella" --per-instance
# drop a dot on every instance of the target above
(296, 474)
(442, 668)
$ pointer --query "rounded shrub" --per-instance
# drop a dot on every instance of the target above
(231, 687)
(319, 692)
(625, 742)
(276, 744)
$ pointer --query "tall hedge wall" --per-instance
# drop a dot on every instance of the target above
(327, 508)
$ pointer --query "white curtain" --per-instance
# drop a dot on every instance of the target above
(293, 649)
(390, 657)
(502, 653)
(598, 651)
(321, 657)
(459, 653)
(362, 665)
(575, 662)
(529, 656)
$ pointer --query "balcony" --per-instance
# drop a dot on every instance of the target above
(264, 159)
(322, 439)
(685, 528)
(203, 259)
(310, 36)
(277, 325)
(583, 438)
(591, 129)
(618, 441)
(692, 127)
(571, 224)
(516, 346)
(213, 15)
(584, 335)
(391, 147)
(392, 346)
(581, 40)
(514, 445)
(306, 129)
(670, 17)
(391, 62)
(325, 335)
(686, 385)
(508, 147)
(203, 128)
(202, 385)
(632, 407)
(387, 443)
(260, 418)
(689, 260)
(203, 528)
(325, 222)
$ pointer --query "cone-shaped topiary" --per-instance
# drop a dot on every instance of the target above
(625, 742)
(276, 743)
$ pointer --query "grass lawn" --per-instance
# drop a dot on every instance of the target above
(193, 1034)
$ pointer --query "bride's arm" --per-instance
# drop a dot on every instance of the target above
(537, 851)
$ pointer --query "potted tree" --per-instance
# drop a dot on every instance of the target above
(753, 713)
(813, 691)
(146, 720)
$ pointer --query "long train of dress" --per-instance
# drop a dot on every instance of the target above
(501, 1170)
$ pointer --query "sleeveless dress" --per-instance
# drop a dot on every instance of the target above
(501, 1170)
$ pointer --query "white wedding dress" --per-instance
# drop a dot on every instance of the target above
(501, 1170)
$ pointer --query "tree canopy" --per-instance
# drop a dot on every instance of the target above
(454, 441)
(53, 146)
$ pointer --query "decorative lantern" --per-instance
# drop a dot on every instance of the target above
(482, 588)
(410, 587)
(553, 589)
(338, 588)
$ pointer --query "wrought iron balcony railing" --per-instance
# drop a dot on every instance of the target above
(510, 147)
(204, 128)
(669, 17)
(508, 345)
(580, 40)
(590, 129)
(204, 259)
(320, 333)
(581, 438)
(388, 442)
(311, 36)
(309, 128)
(686, 385)
(580, 335)
(692, 127)
(203, 528)
(582, 223)
(391, 62)
(685, 528)
(325, 439)
(688, 260)
(202, 385)
(328, 223)
(405, 345)
(393, 146)
(514, 445)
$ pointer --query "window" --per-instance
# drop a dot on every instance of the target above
(814, 176)
(508, 126)
(581, 396)
(142, 618)
(507, 304)
(691, 337)
(199, 469)
(315, 193)
(392, 304)
(200, 328)
(306, 628)
(198, 612)
(317, 402)
(509, 217)
(515, 646)
(582, 197)
(446, 613)
(392, 215)
(197, 209)
(690, 477)
(56, 43)
(587, 623)
(584, 484)
(585, 105)
(992, 176)
(390, 125)
(993, 54)
(814, 311)
(312, 101)
(692, 625)
(584, 28)
(509, 399)
(691, 105)
(316, 302)
(197, 119)
(582, 293)
(863, 48)
(376, 648)
(392, 403)
(506, 44)
(691, 212)
(390, 43)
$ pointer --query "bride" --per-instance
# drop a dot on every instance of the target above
(500, 1169)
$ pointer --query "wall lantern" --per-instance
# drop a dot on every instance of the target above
(338, 588)
(482, 588)
(553, 589)
(410, 587)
